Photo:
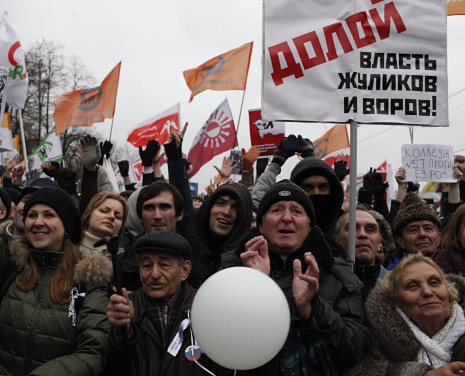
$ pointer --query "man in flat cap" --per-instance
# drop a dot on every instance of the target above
(156, 316)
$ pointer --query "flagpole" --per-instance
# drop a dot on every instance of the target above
(353, 188)
(111, 128)
(23, 141)
(239, 120)
(116, 97)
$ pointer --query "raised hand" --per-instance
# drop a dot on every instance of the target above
(305, 285)
(256, 255)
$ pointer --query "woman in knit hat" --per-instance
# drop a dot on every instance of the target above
(105, 215)
(52, 314)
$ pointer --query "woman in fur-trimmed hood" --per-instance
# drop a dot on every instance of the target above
(416, 316)
(53, 312)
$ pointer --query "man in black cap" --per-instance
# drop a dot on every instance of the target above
(327, 329)
(314, 176)
(156, 316)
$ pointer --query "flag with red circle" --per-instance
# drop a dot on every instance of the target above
(215, 137)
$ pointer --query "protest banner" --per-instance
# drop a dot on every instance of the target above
(428, 162)
(370, 61)
(265, 135)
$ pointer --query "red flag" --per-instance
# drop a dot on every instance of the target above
(215, 137)
(87, 106)
(227, 71)
(157, 128)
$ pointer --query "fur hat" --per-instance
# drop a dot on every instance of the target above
(413, 209)
(285, 190)
(164, 242)
(63, 204)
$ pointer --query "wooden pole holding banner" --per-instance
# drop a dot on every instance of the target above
(23, 141)
(353, 188)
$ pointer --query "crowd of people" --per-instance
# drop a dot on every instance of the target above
(102, 283)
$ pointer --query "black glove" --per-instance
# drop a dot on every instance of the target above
(378, 184)
(149, 153)
(123, 168)
(280, 155)
(306, 147)
(364, 196)
(173, 152)
(105, 148)
(341, 170)
(90, 152)
(368, 180)
(412, 187)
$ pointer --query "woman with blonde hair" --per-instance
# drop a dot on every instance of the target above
(105, 215)
(52, 315)
(417, 321)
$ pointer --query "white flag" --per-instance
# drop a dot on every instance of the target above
(48, 150)
(12, 58)
(6, 141)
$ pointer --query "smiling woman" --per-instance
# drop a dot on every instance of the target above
(417, 320)
(42, 331)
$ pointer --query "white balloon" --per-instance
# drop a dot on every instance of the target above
(241, 318)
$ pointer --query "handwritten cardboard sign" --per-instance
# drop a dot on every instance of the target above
(428, 162)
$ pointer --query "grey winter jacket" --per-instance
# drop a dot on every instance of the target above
(37, 335)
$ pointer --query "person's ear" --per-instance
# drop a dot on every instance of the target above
(3, 213)
(186, 269)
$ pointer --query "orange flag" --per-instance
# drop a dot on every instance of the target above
(455, 7)
(227, 71)
(87, 106)
(332, 141)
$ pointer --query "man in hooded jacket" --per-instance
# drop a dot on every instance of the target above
(217, 227)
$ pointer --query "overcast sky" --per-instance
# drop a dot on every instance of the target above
(157, 40)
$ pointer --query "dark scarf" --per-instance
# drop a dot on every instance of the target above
(155, 311)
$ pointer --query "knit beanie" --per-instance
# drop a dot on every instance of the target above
(60, 201)
(285, 190)
(413, 209)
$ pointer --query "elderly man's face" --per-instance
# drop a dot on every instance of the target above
(285, 226)
(367, 237)
(162, 274)
(420, 236)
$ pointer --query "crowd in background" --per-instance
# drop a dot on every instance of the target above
(96, 282)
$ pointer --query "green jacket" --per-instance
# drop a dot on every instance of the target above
(37, 335)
